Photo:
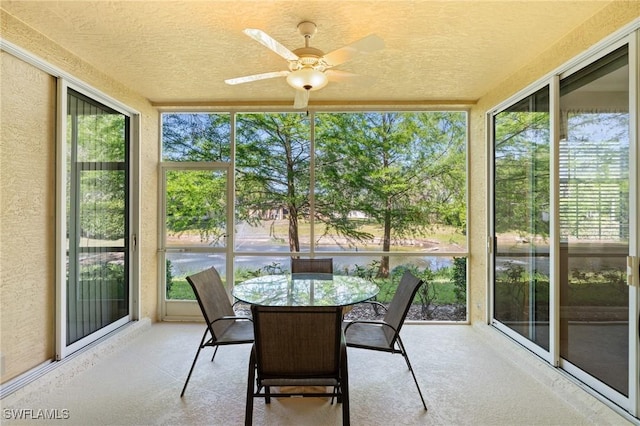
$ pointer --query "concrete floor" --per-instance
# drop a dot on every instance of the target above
(470, 375)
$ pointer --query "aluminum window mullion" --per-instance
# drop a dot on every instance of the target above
(312, 180)
(230, 242)
(554, 227)
(634, 222)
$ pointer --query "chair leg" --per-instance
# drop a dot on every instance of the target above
(267, 392)
(194, 362)
(248, 415)
(406, 358)
(214, 353)
(344, 392)
(335, 391)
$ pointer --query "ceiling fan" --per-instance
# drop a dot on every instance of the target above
(310, 69)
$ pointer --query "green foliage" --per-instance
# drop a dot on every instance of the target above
(403, 170)
(97, 136)
(522, 172)
(274, 268)
(181, 290)
(109, 271)
(196, 137)
(196, 201)
(169, 276)
(272, 169)
(459, 278)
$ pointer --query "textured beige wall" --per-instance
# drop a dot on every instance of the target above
(601, 25)
(27, 190)
(27, 214)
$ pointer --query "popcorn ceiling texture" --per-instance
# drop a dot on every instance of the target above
(183, 51)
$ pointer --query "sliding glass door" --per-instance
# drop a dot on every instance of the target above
(564, 227)
(521, 217)
(594, 219)
(97, 220)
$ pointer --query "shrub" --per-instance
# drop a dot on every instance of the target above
(169, 276)
(459, 278)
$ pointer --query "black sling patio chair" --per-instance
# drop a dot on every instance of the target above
(384, 335)
(297, 347)
(319, 265)
(223, 326)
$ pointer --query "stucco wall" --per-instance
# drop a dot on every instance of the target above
(27, 212)
(592, 31)
(27, 191)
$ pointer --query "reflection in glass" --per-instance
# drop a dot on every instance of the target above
(97, 216)
(594, 219)
(306, 289)
(521, 217)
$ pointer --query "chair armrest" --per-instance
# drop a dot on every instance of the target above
(373, 322)
(375, 305)
(232, 318)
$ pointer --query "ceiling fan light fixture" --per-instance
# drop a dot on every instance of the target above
(307, 79)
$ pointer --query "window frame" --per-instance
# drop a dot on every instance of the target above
(232, 253)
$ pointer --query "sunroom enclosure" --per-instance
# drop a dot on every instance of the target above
(547, 248)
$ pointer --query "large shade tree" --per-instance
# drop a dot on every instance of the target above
(272, 169)
(402, 170)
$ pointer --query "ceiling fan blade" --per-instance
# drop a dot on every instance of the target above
(301, 100)
(338, 75)
(367, 44)
(266, 40)
(255, 77)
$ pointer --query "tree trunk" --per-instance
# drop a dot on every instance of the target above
(294, 238)
(383, 270)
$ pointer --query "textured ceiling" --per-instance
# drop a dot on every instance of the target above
(182, 51)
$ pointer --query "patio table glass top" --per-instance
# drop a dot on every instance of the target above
(307, 289)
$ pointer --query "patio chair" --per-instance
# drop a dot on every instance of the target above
(223, 326)
(384, 335)
(295, 347)
(320, 265)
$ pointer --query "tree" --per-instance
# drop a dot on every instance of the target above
(272, 169)
(402, 170)
(196, 137)
(101, 197)
(196, 201)
(522, 172)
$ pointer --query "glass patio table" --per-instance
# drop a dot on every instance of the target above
(305, 289)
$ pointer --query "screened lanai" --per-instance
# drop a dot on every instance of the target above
(490, 147)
